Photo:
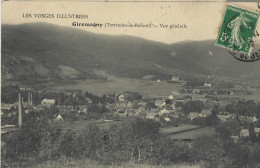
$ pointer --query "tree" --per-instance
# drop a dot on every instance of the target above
(193, 106)
(209, 149)
(228, 128)
(26, 143)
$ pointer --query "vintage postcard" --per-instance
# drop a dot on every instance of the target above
(130, 84)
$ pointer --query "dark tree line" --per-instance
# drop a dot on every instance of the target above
(135, 140)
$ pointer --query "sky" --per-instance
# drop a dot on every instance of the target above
(202, 19)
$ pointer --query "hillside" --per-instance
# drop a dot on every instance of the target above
(47, 52)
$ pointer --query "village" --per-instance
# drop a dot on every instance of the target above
(184, 115)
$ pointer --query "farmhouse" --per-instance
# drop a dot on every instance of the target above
(207, 84)
(59, 118)
(48, 102)
(244, 133)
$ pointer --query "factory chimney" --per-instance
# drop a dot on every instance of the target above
(31, 100)
(20, 110)
(30, 103)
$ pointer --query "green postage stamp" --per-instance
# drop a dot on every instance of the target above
(238, 29)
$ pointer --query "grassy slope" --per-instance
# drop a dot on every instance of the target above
(50, 46)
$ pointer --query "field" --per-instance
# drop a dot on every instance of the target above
(185, 131)
(119, 85)
(113, 84)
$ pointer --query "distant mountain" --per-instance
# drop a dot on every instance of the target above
(48, 52)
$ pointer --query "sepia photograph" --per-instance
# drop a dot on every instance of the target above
(130, 84)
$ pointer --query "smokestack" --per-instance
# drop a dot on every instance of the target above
(31, 99)
(20, 110)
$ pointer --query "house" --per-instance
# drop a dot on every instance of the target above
(152, 116)
(247, 118)
(193, 115)
(167, 119)
(65, 108)
(88, 100)
(207, 84)
(59, 118)
(257, 131)
(244, 133)
(166, 109)
(230, 116)
(204, 113)
(120, 104)
(159, 103)
(163, 111)
(121, 112)
(195, 91)
(230, 93)
(141, 110)
(48, 102)
(170, 97)
(254, 119)
(143, 104)
(141, 114)
(175, 79)
(7, 130)
(223, 113)
(129, 104)
(120, 97)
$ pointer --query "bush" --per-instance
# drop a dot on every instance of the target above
(26, 143)
(208, 149)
